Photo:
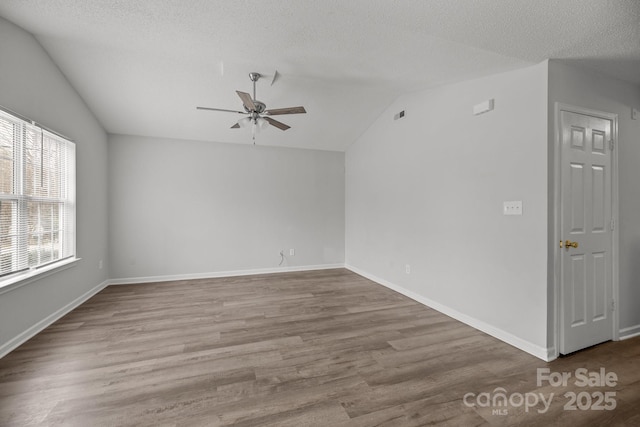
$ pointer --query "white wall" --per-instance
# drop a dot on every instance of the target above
(587, 89)
(186, 209)
(428, 190)
(33, 86)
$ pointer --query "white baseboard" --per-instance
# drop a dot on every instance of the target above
(217, 274)
(20, 339)
(546, 354)
(630, 332)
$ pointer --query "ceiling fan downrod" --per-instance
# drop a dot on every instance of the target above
(254, 78)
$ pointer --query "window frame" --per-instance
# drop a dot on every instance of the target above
(57, 192)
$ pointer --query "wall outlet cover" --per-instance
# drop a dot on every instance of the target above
(513, 207)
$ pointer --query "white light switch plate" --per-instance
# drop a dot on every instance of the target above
(512, 208)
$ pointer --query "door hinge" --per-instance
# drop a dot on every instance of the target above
(613, 305)
(613, 224)
(611, 144)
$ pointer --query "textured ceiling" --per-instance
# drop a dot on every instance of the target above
(144, 65)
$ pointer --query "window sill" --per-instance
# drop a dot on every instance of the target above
(32, 275)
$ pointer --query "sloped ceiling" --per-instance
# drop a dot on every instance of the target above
(143, 66)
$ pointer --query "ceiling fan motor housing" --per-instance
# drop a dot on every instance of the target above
(260, 107)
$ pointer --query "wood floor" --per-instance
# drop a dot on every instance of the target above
(324, 348)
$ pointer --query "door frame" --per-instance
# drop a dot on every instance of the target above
(557, 218)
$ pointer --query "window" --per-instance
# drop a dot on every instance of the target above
(37, 197)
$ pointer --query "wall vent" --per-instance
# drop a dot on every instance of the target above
(399, 115)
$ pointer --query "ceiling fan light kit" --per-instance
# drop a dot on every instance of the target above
(246, 122)
(257, 114)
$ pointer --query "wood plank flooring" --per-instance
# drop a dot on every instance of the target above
(323, 348)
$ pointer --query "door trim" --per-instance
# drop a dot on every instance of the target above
(557, 135)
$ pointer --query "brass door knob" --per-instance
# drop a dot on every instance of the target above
(568, 244)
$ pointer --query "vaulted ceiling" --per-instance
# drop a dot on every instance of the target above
(143, 66)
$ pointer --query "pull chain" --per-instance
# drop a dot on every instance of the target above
(253, 130)
(41, 158)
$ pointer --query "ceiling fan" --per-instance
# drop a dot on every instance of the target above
(258, 117)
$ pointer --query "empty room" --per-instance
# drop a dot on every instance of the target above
(305, 213)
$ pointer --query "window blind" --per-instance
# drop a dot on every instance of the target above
(37, 196)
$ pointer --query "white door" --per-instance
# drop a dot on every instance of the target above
(586, 301)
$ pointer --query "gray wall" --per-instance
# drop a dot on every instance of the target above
(587, 89)
(428, 190)
(32, 85)
(189, 209)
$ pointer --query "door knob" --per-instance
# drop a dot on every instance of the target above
(568, 244)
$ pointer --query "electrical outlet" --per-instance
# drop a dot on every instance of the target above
(512, 208)
(100, 265)
(292, 252)
(407, 269)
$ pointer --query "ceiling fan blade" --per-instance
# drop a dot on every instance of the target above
(288, 110)
(220, 109)
(276, 123)
(236, 126)
(276, 75)
(246, 100)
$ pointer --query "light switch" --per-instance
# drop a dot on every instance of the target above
(512, 208)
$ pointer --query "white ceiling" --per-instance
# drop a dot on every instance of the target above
(143, 66)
